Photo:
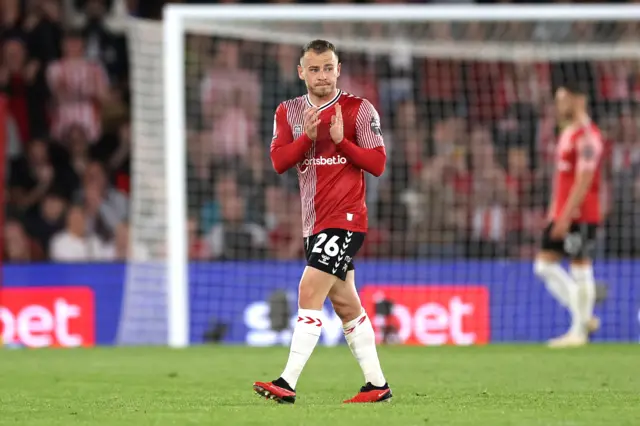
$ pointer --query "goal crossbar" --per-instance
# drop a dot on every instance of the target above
(405, 13)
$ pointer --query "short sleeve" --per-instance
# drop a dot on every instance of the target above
(589, 150)
(368, 130)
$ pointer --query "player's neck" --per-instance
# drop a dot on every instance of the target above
(319, 101)
(581, 119)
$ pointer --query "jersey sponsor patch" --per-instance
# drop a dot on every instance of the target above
(375, 126)
(324, 161)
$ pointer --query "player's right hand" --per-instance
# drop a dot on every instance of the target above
(311, 122)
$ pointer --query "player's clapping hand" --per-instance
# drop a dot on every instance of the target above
(311, 122)
(337, 126)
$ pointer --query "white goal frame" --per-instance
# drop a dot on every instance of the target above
(174, 29)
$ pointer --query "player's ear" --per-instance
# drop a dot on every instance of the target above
(339, 67)
(300, 72)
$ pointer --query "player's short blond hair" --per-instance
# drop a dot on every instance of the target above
(318, 46)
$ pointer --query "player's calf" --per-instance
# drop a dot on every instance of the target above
(358, 330)
(314, 288)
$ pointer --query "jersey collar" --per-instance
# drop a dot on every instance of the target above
(328, 104)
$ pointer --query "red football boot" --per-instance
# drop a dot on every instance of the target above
(370, 393)
(278, 390)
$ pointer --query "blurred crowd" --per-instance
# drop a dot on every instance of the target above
(67, 141)
(469, 143)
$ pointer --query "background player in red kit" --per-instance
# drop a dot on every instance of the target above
(332, 138)
(574, 216)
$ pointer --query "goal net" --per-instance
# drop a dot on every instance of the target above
(466, 99)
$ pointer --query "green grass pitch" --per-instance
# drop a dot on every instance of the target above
(492, 385)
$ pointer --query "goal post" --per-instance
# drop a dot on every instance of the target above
(406, 30)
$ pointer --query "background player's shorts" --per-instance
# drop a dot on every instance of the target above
(578, 244)
(332, 250)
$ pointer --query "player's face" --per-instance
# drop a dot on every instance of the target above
(320, 72)
(564, 104)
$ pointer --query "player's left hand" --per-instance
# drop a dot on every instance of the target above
(337, 128)
(560, 229)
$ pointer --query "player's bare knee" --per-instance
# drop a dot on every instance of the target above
(310, 297)
(347, 311)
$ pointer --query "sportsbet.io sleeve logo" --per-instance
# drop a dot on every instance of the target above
(375, 126)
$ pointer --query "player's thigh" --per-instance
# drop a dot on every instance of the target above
(345, 299)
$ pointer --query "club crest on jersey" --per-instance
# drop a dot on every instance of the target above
(375, 126)
(297, 131)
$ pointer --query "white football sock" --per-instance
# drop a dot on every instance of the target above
(564, 290)
(583, 276)
(304, 340)
(362, 342)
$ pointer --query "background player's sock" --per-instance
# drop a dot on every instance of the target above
(583, 276)
(362, 342)
(557, 289)
(563, 288)
(304, 340)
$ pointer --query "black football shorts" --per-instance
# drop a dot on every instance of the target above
(332, 250)
(579, 243)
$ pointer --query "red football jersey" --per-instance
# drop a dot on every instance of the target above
(332, 187)
(579, 148)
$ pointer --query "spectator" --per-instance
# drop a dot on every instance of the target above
(17, 77)
(18, 246)
(43, 32)
(10, 15)
(490, 198)
(121, 250)
(232, 129)
(234, 238)
(102, 45)
(225, 81)
(78, 154)
(255, 180)
(226, 186)
(76, 243)
(32, 176)
(79, 88)
(114, 149)
(105, 206)
(284, 235)
(440, 213)
(359, 79)
(48, 220)
(197, 246)
(279, 81)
